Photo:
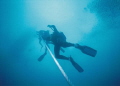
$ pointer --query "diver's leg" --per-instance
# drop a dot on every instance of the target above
(57, 55)
(67, 44)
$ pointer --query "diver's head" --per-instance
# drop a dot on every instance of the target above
(44, 34)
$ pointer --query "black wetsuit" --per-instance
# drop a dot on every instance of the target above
(58, 43)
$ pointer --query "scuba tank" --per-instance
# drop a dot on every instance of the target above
(61, 37)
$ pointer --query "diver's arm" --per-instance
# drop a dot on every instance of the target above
(53, 28)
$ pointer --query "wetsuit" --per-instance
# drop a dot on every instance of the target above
(59, 42)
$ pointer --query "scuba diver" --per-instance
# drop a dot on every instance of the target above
(58, 39)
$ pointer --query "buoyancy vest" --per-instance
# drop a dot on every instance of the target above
(58, 37)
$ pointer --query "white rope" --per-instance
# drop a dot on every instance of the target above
(60, 68)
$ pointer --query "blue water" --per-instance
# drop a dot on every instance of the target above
(94, 23)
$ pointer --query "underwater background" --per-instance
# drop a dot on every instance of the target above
(95, 23)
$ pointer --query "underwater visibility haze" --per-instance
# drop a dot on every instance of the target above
(94, 23)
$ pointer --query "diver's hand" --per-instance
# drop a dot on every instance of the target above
(51, 26)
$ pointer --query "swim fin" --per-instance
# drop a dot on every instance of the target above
(87, 50)
(76, 65)
(42, 56)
